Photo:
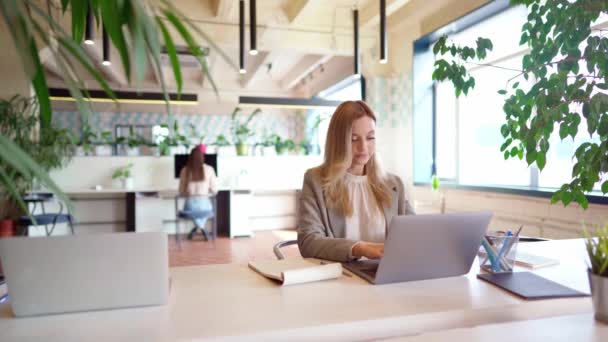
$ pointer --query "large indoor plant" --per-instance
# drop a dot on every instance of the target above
(597, 249)
(241, 132)
(565, 62)
(566, 58)
(52, 149)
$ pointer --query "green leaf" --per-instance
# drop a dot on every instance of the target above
(566, 198)
(563, 130)
(172, 52)
(502, 92)
(540, 161)
(192, 45)
(605, 187)
(110, 17)
(524, 39)
(506, 144)
(531, 157)
(79, 17)
(206, 38)
(77, 52)
(41, 89)
(556, 197)
(515, 85)
(581, 199)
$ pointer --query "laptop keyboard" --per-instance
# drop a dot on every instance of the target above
(365, 267)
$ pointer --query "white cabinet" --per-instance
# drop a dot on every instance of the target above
(240, 212)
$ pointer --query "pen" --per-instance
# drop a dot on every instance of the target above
(491, 255)
(501, 255)
(513, 240)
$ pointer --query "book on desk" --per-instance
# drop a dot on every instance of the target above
(296, 271)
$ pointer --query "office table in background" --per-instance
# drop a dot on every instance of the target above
(232, 301)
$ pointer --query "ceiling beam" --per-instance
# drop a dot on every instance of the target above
(369, 16)
(254, 64)
(294, 8)
(307, 64)
(223, 8)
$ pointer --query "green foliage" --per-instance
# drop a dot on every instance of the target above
(105, 138)
(174, 139)
(563, 95)
(282, 146)
(221, 140)
(134, 139)
(195, 136)
(435, 182)
(52, 149)
(241, 130)
(597, 249)
(123, 172)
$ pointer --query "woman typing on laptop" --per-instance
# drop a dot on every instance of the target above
(348, 201)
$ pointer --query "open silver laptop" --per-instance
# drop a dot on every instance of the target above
(421, 247)
(85, 272)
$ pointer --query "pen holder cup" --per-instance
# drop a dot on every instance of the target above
(497, 253)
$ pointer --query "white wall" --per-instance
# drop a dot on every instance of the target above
(539, 217)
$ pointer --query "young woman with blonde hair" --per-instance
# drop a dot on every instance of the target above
(347, 202)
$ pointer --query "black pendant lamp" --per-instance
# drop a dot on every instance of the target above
(242, 36)
(253, 50)
(357, 72)
(383, 43)
(89, 28)
(106, 48)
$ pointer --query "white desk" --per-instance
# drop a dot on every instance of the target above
(556, 329)
(220, 301)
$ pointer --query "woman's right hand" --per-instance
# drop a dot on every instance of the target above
(369, 250)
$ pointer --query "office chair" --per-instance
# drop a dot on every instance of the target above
(277, 248)
(45, 219)
(191, 215)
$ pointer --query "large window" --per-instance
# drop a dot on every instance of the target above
(467, 139)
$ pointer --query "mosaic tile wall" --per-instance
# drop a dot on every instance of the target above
(390, 98)
(287, 125)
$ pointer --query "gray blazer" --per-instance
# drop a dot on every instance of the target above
(321, 230)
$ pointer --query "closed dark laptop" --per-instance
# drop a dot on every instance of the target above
(422, 247)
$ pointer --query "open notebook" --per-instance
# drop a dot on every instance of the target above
(296, 271)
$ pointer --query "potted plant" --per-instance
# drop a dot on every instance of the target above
(267, 145)
(133, 143)
(86, 145)
(241, 131)
(125, 175)
(597, 249)
(103, 147)
(282, 146)
(195, 137)
(223, 145)
(174, 143)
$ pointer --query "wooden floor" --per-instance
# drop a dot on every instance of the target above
(225, 250)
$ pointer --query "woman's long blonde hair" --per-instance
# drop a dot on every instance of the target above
(338, 158)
